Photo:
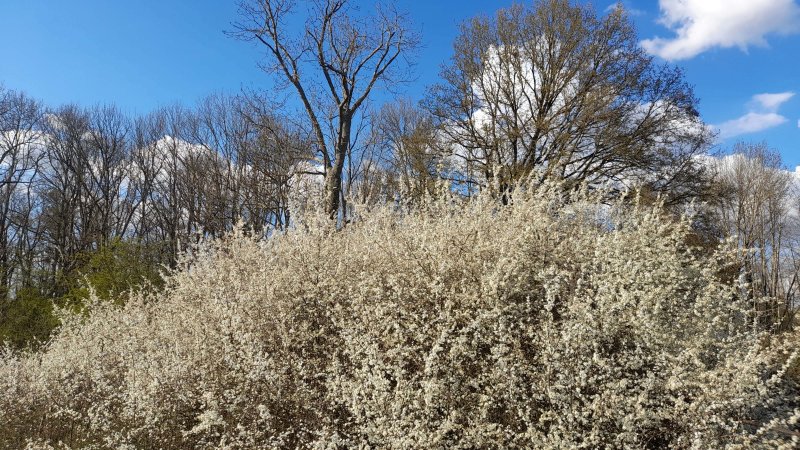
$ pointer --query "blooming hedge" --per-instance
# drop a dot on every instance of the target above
(549, 323)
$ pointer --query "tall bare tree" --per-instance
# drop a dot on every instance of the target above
(334, 63)
(555, 88)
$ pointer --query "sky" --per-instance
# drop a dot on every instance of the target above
(741, 56)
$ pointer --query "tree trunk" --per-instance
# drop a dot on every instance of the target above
(333, 177)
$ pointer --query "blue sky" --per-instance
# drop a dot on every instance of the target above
(144, 54)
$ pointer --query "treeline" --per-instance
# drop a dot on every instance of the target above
(96, 197)
(92, 192)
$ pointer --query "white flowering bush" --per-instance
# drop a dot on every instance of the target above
(550, 323)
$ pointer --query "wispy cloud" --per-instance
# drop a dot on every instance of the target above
(750, 123)
(701, 25)
(762, 115)
(771, 102)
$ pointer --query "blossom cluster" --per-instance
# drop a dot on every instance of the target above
(548, 323)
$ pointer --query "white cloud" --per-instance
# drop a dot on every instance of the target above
(771, 102)
(762, 114)
(750, 123)
(700, 25)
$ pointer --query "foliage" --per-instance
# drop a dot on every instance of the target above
(28, 318)
(115, 268)
(549, 323)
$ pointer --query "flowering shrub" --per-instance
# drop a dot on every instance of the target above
(550, 323)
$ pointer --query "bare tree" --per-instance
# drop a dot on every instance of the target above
(333, 64)
(411, 148)
(553, 88)
(274, 159)
(105, 199)
(252, 155)
(758, 210)
(21, 151)
(199, 172)
(168, 213)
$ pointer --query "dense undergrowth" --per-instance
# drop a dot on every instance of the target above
(550, 323)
